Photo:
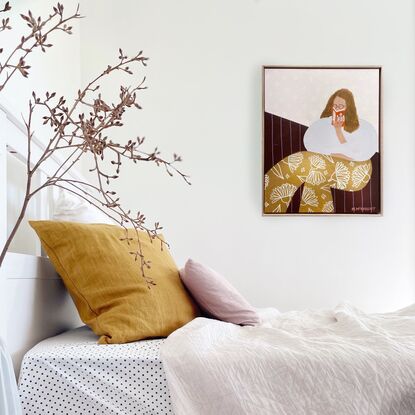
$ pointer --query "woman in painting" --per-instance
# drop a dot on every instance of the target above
(339, 147)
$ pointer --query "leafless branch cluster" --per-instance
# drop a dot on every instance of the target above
(84, 126)
(37, 37)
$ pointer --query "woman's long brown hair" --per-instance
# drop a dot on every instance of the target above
(351, 119)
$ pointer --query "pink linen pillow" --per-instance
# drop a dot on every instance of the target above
(216, 295)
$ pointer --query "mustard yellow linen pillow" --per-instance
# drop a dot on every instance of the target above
(106, 284)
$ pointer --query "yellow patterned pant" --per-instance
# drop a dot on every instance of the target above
(319, 173)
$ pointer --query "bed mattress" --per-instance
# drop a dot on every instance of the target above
(71, 374)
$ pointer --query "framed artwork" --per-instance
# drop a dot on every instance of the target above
(321, 140)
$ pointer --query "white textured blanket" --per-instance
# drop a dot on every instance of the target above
(340, 362)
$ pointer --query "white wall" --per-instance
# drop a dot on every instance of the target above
(204, 102)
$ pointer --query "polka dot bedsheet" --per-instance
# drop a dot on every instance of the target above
(71, 374)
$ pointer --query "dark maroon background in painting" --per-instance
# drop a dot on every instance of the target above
(283, 137)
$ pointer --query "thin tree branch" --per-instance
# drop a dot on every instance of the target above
(83, 127)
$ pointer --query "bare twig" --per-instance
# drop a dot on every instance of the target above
(84, 127)
(38, 37)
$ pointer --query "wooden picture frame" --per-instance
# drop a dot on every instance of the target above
(322, 152)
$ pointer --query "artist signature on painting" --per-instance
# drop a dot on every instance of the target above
(363, 209)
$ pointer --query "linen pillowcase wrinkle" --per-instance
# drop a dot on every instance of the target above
(106, 284)
(217, 296)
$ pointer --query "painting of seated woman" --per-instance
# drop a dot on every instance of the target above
(321, 141)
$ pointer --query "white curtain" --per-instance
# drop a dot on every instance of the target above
(9, 396)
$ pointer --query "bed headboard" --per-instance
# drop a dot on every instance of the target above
(34, 304)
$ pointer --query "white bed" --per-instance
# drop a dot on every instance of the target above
(71, 374)
(340, 361)
(329, 362)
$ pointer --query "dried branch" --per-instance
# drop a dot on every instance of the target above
(85, 127)
(38, 37)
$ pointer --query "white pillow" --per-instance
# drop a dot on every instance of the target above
(70, 208)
